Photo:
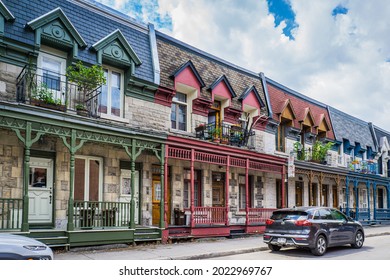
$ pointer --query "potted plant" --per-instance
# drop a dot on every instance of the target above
(42, 96)
(87, 79)
(82, 110)
(216, 133)
(319, 151)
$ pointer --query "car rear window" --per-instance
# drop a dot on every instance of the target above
(289, 215)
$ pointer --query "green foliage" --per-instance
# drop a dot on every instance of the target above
(320, 150)
(43, 93)
(301, 154)
(86, 78)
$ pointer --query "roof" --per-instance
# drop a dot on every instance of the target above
(83, 14)
(351, 128)
(302, 106)
(380, 134)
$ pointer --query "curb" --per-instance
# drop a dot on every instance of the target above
(246, 251)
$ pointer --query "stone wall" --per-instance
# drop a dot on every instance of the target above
(8, 75)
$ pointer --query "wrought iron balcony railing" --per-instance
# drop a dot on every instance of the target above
(51, 90)
(226, 134)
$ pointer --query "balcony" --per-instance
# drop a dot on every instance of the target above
(42, 88)
(363, 166)
(225, 134)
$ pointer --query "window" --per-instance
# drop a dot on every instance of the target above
(111, 98)
(51, 75)
(187, 188)
(88, 179)
(179, 112)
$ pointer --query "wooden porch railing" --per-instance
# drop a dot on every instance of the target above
(382, 214)
(11, 213)
(209, 215)
(259, 215)
(98, 214)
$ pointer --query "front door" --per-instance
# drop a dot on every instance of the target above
(335, 197)
(40, 191)
(156, 198)
(298, 193)
(324, 195)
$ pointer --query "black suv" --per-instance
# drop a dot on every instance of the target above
(315, 228)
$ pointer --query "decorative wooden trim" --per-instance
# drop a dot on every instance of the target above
(232, 114)
(163, 96)
(200, 106)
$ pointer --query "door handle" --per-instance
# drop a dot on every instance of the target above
(49, 199)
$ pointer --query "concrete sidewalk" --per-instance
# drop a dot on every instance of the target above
(199, 249)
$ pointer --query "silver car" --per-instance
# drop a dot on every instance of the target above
(18, 247)
(315, 228)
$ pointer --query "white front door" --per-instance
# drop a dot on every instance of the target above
(126, 190)
(40, 191)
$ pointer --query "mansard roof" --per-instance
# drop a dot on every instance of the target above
(380, 135)
(93, 21)
(347, 127)
(301, 104)
(174, 53)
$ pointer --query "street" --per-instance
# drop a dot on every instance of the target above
(374, 248)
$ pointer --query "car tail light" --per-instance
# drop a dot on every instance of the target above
(269, 222)
(303, 223)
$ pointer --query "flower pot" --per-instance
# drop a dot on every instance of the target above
(40, 103)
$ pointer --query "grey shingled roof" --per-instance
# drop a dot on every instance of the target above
(351, 128)
(92, 20)
(380, 133)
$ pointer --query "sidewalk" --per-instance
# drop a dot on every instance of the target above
(200, 248)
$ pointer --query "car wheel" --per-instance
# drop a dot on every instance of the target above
(320, 246)
(274, 247)
(359, 239)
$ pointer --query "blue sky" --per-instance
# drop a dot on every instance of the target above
(335, 51)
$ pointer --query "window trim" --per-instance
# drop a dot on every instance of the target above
(122, 94)
(86, 179)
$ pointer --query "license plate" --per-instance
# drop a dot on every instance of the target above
(281, 240)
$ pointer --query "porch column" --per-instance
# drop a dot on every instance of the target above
(26, 173)
(246, 193)
(310, 189)
(368, 200)
(388, 196)
(347, 196)
(374, 194)
(355, 188)
(72, 150)
(192, 187)
(283, 186)
(162, 179)
(166, 186)
(227, 190)
(132, 182)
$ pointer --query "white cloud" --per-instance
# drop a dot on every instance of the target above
(338, 60)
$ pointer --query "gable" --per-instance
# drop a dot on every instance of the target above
(54, 28)
(116, 49)
(188, 75)
(323, 125)
(251, 97)
(308, 118)
(222, 87)
(5, 15)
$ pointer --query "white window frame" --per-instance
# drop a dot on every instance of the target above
(86, 179)
(108, 115)
(57, 56)
(177, 102)
(192, 93)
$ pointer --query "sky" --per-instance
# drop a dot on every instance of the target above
(335, 51)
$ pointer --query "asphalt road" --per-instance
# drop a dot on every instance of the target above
(374, 248)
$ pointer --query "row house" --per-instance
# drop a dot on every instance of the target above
(120, 133)
(77, 162)
(365, 195)
(301, 128)
(220, 176)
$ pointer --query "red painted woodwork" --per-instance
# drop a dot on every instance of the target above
(251, 100)
(209, 215)
(164, 96)
(259, 215)
(231, 115)
(222, 91)
(201, 106)
(188, 78)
